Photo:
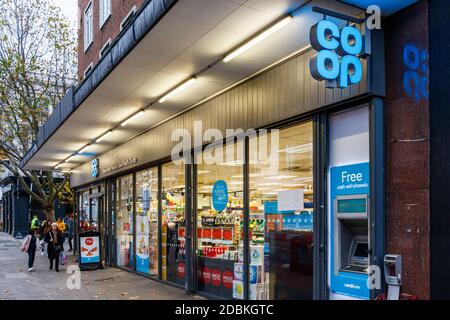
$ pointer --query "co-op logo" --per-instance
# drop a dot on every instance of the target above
(95, 168)
(337, 59)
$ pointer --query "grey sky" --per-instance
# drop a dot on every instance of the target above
(69, 8)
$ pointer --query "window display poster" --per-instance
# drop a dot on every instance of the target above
(146, 198)
(291, 200)
(219, 195)
(89, 249)
(271, 207)
(142, 245)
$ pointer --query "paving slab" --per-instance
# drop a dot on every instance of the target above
(16, 283)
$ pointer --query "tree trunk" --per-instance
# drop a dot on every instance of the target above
(49, 211)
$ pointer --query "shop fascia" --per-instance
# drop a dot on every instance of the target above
(225, 148)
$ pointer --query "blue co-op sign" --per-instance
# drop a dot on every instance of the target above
(337, 59)
(95, 172)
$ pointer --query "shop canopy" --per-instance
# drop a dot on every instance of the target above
(167, 44)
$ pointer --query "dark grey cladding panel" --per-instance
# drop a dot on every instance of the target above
(40, 139)
(56, 117)
(102, 69)
(149, 16)
(66, 104)
(52, 122)
(83, 91)
(28, 155)
(122, 46)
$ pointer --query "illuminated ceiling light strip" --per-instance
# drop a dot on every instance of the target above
(68, 159)
(177, 90)
(58, 165)
(84, 149)
(103, 136)
(263, 35)
(133, 117)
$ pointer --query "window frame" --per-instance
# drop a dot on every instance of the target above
(88, 70)
(88, 36)
(103, 49)
(103, 14)
(127, 18)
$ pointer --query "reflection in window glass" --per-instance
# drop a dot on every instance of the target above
(220, 221)
(147, 221)
(94, 214)
(281, 242)
(84, 210)
(124, 222)
(173, 223)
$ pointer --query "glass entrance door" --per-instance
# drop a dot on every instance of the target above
(124, 222)
(173, 223)
(102, 223)
(281, 216)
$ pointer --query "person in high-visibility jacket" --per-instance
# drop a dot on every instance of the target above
(61, 225)
(34, 223)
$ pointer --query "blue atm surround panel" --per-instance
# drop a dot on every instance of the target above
(346, 181)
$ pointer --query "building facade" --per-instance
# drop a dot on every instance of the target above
(100, 22)
(238, 151)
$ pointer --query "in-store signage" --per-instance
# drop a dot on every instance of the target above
(227, 279)
(220, 195)
(338, 54)
(95, 168)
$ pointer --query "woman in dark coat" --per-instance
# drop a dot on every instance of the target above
(55, 241)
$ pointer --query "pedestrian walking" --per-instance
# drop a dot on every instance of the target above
(55, 240)
(35, 224)
(61, 225)
(45, 229)
(69, 229)
(29, 246)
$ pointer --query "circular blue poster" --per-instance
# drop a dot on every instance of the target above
(220, 195)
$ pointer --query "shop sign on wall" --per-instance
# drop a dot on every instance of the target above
(120, 165)
(338, 54)
(95, 168)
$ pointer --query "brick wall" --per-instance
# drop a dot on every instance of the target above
(110, 29)
(407, 145)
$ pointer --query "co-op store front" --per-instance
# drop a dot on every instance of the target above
(167, 218)
(291, 206)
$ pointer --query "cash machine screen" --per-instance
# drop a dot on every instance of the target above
(356, 205)
(361, 250)
(359, 256)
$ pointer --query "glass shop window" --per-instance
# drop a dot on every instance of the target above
(124, 222)
(281, 215)
(147, 221)
(173, 223)
(219, 249)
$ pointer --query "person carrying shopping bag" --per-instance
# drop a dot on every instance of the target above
(29, 246)
(45, 229)
(55, 241)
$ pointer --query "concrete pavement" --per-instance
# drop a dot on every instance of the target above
(44, 284)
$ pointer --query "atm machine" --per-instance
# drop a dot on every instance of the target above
(349, 233)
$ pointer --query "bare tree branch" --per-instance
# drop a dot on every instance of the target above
(37, 65)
